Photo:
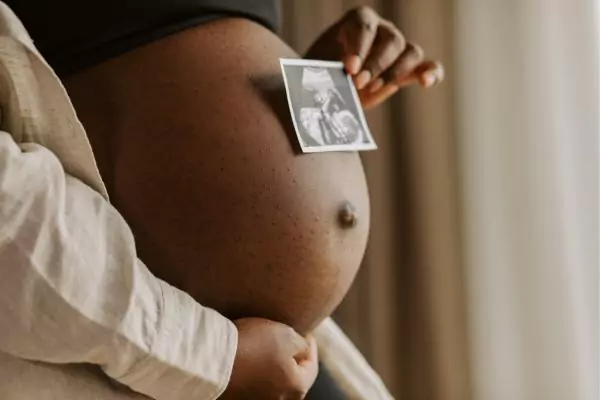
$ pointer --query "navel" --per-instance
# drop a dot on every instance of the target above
(347, 215)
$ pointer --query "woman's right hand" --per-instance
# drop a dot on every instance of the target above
(273, 362)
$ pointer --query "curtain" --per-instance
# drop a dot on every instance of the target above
(481, 276)
(527, 91)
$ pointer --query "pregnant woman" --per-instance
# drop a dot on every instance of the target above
(184, 105)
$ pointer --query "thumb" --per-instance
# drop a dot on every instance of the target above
(307, 352)
(309, 365)
(303, 349)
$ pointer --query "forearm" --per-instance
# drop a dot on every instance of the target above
(73, 291)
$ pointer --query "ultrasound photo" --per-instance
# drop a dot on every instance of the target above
(325, 108)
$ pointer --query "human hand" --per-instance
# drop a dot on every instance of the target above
(376, 54)
(272, 362)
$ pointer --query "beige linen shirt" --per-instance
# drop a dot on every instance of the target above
(81, 317)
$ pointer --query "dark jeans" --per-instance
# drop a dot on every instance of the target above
(325, 388)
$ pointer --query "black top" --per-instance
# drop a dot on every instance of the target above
(75, 34)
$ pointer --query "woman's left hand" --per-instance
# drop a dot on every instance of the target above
(377, 56)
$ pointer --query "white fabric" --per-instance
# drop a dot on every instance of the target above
(71, 288)
(347, 366)
(528, 123)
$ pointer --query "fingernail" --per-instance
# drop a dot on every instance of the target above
(429, 80)
(375, 86)
(362, 79)
(353, 64)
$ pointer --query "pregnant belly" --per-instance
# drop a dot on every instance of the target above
(194, 138)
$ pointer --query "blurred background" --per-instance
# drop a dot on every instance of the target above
(481, 277)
